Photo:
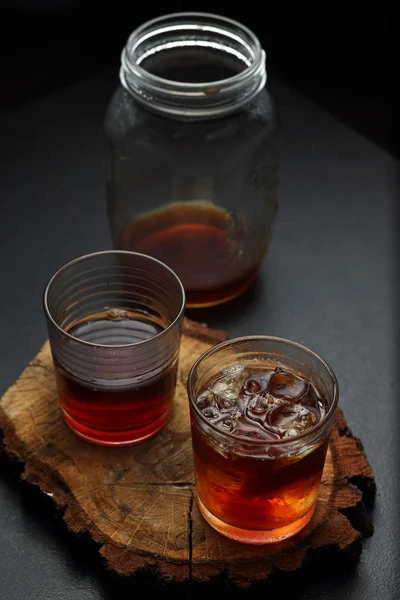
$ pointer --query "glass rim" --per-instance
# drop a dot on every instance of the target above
(252, 441)
(84, 257)
(137, 35)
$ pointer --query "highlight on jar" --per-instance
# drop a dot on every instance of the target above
(193, 157)
(114, 322)
(261, 410)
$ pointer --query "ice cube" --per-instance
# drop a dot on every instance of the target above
(259, 404)
(226, 386)
(226, 401)
(311, 401)
(211, 413)
(291, 432)
(291, 419)
(231, 380)
(205, 399)
(220, 385)
(226, 390)
(233, 370)
(230, 394)
(254, 384)
(284, 384)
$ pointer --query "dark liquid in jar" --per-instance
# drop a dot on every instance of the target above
(111, 415)
(201, 243)
(265, 489)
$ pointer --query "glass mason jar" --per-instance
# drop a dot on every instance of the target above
(192, 168)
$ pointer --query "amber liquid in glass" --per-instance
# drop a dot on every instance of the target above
(262, 495)
(198, 241)
(109, 414)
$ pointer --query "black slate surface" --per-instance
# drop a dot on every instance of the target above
(328, 282)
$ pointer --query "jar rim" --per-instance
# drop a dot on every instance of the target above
(194, 98)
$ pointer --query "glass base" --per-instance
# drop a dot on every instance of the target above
(246, 536)
(112, 438)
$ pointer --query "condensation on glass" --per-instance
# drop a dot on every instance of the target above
(192, 167)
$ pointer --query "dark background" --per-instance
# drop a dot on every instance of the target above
(339, 200)
(337, 53)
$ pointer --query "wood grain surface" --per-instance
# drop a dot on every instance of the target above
(138, 503)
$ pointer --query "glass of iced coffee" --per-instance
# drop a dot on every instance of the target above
(262, 410)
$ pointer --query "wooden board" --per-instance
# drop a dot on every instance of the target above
(137, 503)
